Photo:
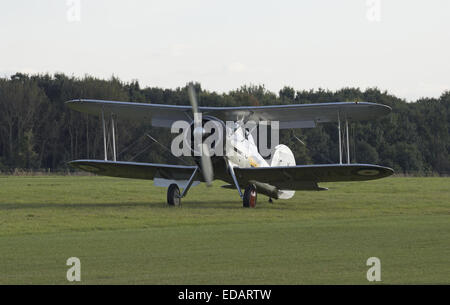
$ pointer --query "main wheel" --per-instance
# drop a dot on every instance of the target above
(250, 196)
(173, 195)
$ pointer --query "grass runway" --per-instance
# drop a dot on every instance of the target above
(123, 233)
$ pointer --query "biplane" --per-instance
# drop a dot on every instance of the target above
(242, 166)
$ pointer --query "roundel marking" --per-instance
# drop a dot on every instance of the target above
(88, 168)
(368, 172)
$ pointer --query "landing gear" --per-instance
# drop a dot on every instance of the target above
(250, 196)
(173, 195)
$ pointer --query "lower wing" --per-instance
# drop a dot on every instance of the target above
(306, 177)
(136, 170)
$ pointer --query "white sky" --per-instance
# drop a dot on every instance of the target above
(225, 44)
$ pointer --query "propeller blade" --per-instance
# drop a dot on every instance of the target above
(206, 163)
(193, 99)
(207, 168)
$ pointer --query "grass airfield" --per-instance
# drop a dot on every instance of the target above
(124, 233)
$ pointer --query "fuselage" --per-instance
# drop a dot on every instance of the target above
(241, 149)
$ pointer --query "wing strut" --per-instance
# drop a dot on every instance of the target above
(104, 134)
(345, 133)
(105, 140)
(340, 141)
(348, 143)
(113, 138)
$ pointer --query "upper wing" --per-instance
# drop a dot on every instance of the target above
(289, 116)
(306, 177)
(135, 170)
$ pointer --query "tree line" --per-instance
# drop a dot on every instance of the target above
(39, 132)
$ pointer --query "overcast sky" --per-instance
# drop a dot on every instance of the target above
(402, 46)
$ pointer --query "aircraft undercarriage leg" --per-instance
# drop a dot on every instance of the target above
(173, 192)
(250, 196)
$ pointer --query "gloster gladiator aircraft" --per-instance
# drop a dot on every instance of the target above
(241, 166)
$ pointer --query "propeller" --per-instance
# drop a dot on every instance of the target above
(206, 163)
